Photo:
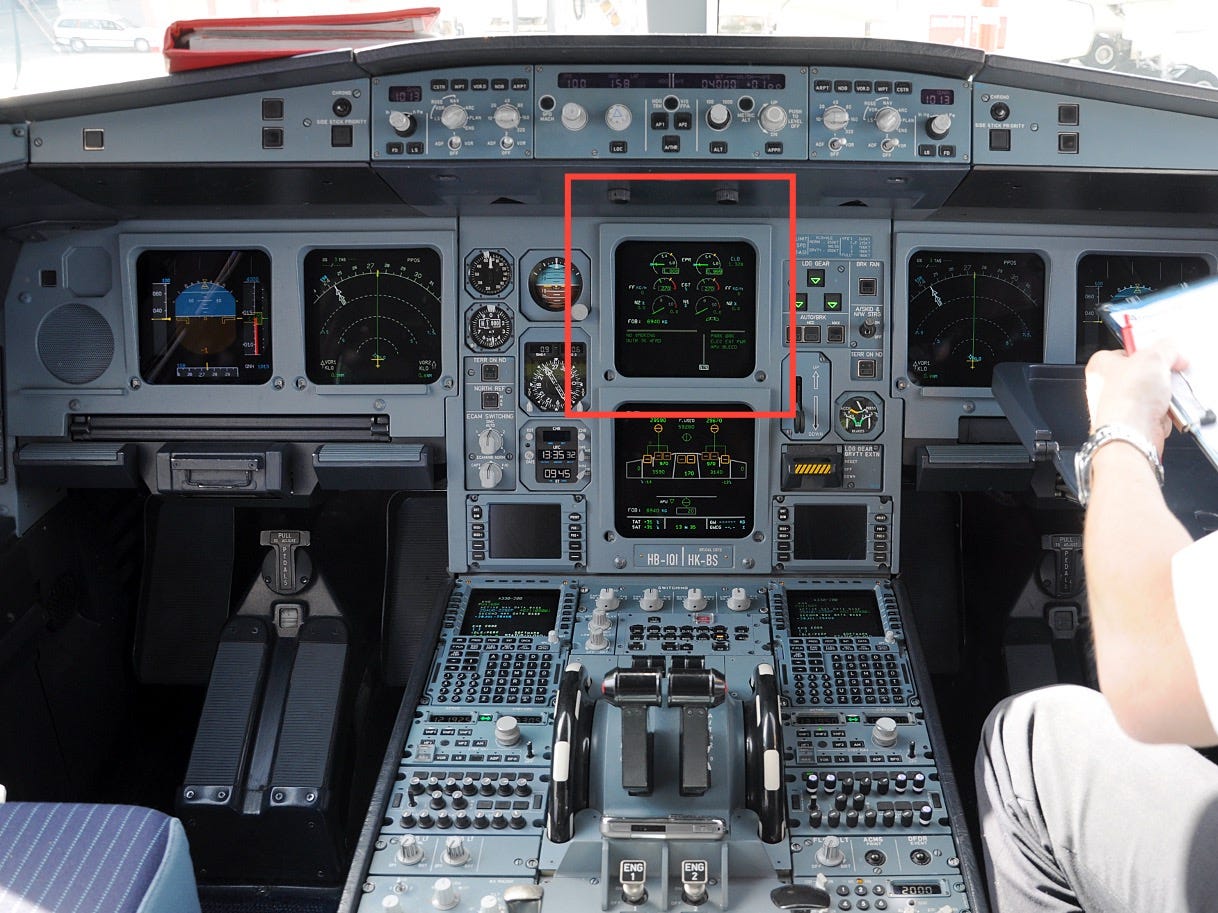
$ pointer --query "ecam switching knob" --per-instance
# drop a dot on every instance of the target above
(887, 119)
(490, 475)
(835, 117)
(403, 124)
(718, 116)
(507, 117)
(772, 118)
(939, 126)
(454, 117)
(490, 440)
(507, 731)
(574, 116)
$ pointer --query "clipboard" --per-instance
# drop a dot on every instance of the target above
(1188, 316)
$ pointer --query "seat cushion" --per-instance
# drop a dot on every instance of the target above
(69, 858)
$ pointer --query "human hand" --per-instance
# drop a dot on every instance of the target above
(1134, 390)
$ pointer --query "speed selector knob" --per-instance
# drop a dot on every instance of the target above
(718, 116)
(403, 124)
(507, 731)
(887, 119)
(454, 117)
(507, 117)
(490, 440)
(939, 126)
(490, 475)
(574, 116)
(772, 118)
(618, 117)
(835, 117)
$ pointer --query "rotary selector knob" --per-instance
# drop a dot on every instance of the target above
(455, 852)
(490, 440)
(490, 475)
(694, 600)
(618, 117)
(739, 600)
(507, 117)
(719, 115)
(607, 599)
(884, 732)
(410, 852)
(887, 119)
(596, 641)
(444, 894)
(507, 731)
(403, 124)
(650, 601)
(490, 904)
(939, 126)
(599, 621)
(835, 117)
(772, 118)
(454, 117)
(574, 116)
(830, 853)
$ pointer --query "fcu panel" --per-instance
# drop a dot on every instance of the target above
(707, 742)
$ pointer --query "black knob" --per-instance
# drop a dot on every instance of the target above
(451, 785)
(835, 818)
(830, 783)
(438, 799)
(499, 820)
(505, 786)
(517, 821)
(840, 801)
(812, 783)
(907, 817)
(462, 820)
(864, 785)
(901, 782)
(881, 786)
(852, 818)
(926, 814)
(416, 787)
(433, 783)
(459, 801)
(486, 786)
(919, 782)
(847, 784)
(409, 820)
(468, 786)
(814, 818)
(522, 787)
(890, 817)
(444, 819)
(426, 820)
(481, 821)
(859, 801)
(869, 817)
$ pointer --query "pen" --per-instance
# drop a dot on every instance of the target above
(1127, 336)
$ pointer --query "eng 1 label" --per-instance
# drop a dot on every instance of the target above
(707, 557)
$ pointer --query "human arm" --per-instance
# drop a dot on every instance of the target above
(1130, 537)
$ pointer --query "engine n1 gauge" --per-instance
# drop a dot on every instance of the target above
(372, 316)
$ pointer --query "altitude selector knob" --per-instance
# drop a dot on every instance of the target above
(887, 119)
(507, 117)
(835, 117)
(454, 117)
(403, 124)
(718, 116)
(772, 118)
(574, 116)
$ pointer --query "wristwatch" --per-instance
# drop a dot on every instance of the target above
(1106, 434)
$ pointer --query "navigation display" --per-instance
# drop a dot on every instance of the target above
(204, 316)
(683, 478)
(510, 613)
(685, 308)
(833, 613)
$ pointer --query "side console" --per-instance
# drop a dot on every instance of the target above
(710, 743)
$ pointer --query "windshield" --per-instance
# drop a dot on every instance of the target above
(49, 46)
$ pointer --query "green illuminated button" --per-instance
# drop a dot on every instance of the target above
(816, 278)
(801, 301)
(833, 301)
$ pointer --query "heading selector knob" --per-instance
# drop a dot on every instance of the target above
(507, 117)
(618, 117)
(454, 117)
(507, 731)
(887, 119)
(835, 117)
(884, 732)
(772, 118)
(718, 116)
(403, 124)
(939, 126)
(574, 116)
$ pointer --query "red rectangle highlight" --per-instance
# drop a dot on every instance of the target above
(569, 182)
